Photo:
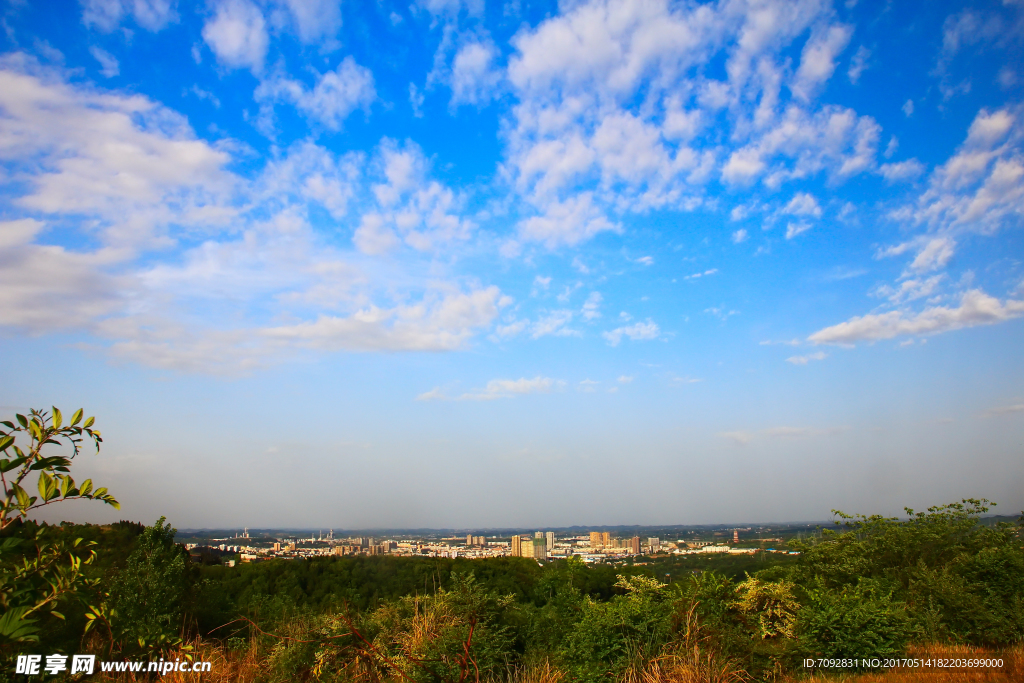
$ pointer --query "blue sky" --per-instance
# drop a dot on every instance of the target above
(494, 264)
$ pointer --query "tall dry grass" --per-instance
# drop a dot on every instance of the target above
(243, 665)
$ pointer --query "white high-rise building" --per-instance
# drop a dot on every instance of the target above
(550, 535)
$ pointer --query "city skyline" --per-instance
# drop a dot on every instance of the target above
(585, 263)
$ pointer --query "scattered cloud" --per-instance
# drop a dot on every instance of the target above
(591, 306)
(625, 379)
(475, 78)
(107, 15)
(237, 34)
(410, 206)
(434, 394)
(740, 437)
(444, 326)
(744, 437)
(858, 64)
(109, 66)
(739, 236)
(636, 332)
(329, 102)
(509, 388)
(794, 229)
(710, 271)
(553, 323)
(902, 171)
(976, 308)
(911, 289)
(721, 312)
(803, 360)
(1014, 409)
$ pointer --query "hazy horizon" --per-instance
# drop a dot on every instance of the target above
(451, 262)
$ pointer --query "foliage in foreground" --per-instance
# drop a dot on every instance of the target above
(871, 588)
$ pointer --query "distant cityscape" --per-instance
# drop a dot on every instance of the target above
(594, 546)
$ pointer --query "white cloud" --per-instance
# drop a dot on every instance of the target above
(553, 323)
(803, 204)
(579, 265)
(511, 329)
(981, 187)
(109, 66)
(48, 288)
(902, 171)
(257, 285)
(740, 437)
(566, 223)
(935, 253)
(315, 19)
(474, 78)
(411, 208)
(646, 260)
(612, 96)
(106, 15)
(803, 360)
(128, 163)
(817, 63)
(237, 34)
(832, 140)
(794, 229)
(434, 394)
(638, 331)
(625, 379)
(858, 64)
(1005, 410)
(445, 325)
(509, 388)
(743, 437)
(976, 308)
(908, 108)
(912, 289)
(891, 148)
(694, 276)
(591, 307)
(336, 94)
(739, 236)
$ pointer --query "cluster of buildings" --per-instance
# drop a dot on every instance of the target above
(597, 546)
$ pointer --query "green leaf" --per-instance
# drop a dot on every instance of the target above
(5, 442)
(47, 487)
(86, 487)
(23, 500)
(77, 417)
(15, 627)
(88, 422)
(22, 420)
(58, 419)
(8, 424)
(8, 465)
(100, 492)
